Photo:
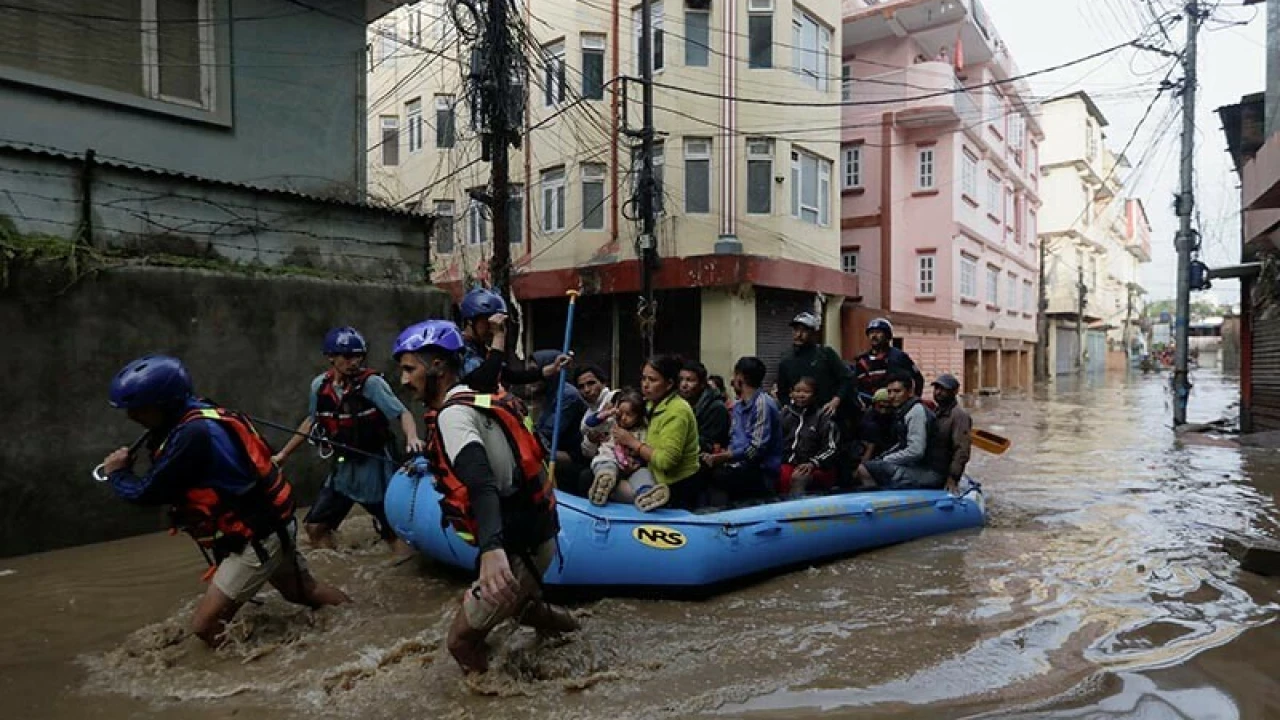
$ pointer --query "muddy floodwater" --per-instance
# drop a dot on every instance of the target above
(1097, 591)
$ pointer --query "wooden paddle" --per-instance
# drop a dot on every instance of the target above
(989, 441)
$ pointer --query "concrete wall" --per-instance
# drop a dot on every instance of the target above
(150, 213)
(251, 343)
(289, 86)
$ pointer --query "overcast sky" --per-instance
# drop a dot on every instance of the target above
(1232, 63)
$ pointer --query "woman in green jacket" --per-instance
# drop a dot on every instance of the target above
(671, 447)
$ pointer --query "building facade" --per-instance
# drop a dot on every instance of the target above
(1093, 241)
(746, 104)
(1252, 129)
(939, 189)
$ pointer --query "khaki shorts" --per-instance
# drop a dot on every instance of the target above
(241, 575)
(483, 615)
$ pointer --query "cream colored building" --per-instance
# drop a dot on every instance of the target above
(747, 109)
(1094, 239)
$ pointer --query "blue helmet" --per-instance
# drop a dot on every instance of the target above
(482, 302)
(344, 341)
(440, 334)
(150, 380)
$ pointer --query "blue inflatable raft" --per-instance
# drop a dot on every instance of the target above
(617, 546)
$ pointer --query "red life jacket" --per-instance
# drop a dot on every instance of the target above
(532, 484)
(225, 523)
(352, 420)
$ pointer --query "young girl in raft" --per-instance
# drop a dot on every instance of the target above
(620, 475)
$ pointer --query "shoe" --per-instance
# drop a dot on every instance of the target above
(548, 619)
(652, 497)
(602, 487)
(467, 645)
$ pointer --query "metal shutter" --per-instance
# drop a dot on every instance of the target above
(774, 311)
(1066, 349)
(1266, 369)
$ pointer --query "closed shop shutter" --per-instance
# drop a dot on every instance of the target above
(1067, 347)
(1097, 346)
(678, 330)
(592, 327)
(1266, 369)
(774, 311)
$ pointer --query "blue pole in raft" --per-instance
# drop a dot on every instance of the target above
(555, 427)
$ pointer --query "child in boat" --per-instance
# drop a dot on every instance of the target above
(810, 443)
(619, 474)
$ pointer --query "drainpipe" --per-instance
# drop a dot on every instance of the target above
(886, 211)
(728, 242)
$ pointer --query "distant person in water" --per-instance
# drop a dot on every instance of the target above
(215, 472)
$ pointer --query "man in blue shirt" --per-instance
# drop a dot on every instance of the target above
(215, 472)
(749, 468)
(353, 405)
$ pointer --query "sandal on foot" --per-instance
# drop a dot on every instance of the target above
(601, 488)
(653, 497)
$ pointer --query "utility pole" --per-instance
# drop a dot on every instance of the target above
(647, 311)
(501, 103)
(1081, 303)
(1042, 318)
(1186, 239)
(1127, 335)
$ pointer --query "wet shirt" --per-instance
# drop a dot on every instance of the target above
(360, 478)
(195, 454)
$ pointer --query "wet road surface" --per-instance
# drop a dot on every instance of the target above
(1098, 590)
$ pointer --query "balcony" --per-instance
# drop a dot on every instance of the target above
(1139, 247)
(932, 24)
(921, 95)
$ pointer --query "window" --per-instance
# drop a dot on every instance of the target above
(1091, 141)
(1031, 225)
(416, 18)
(851, 167)
(1008, 209)
(477, 222)
(925, 268)
(760, 33)
(1011, 291)
(697, 175)
(968, 277)
(553, 200)
(659, 151)
(993, 285)
(969, 176)
(444, 226)
(1028, 299)
(592, 66)
(697, 33)
(994, 194)
(553, 83)
(443, 25)
(655, 14)
(1019, 215)
(810, 188)
(413, 121)
(387, 41)
(444, 121)
(390, 140)
(157, 50)
(759, 176)
(846, 83)
(593, 196)
(849, 261)
(1017, 136)
(811, 45)
(925, 175)
(994, 105)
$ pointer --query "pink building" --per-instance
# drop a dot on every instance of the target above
(939, 188)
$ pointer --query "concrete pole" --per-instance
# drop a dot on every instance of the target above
(1185, 240)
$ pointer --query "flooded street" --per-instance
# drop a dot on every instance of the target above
(1097, 591)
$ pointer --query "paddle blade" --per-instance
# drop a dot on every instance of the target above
(989, 441)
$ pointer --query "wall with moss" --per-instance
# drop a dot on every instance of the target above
(250, 337)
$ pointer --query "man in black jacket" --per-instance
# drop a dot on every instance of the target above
(708, 407)
(807, 358)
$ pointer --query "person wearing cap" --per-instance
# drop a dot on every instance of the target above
(354, 406)
(872, 368)
(807, 358)
(484, 357)
(953, 427)
(875, 429)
